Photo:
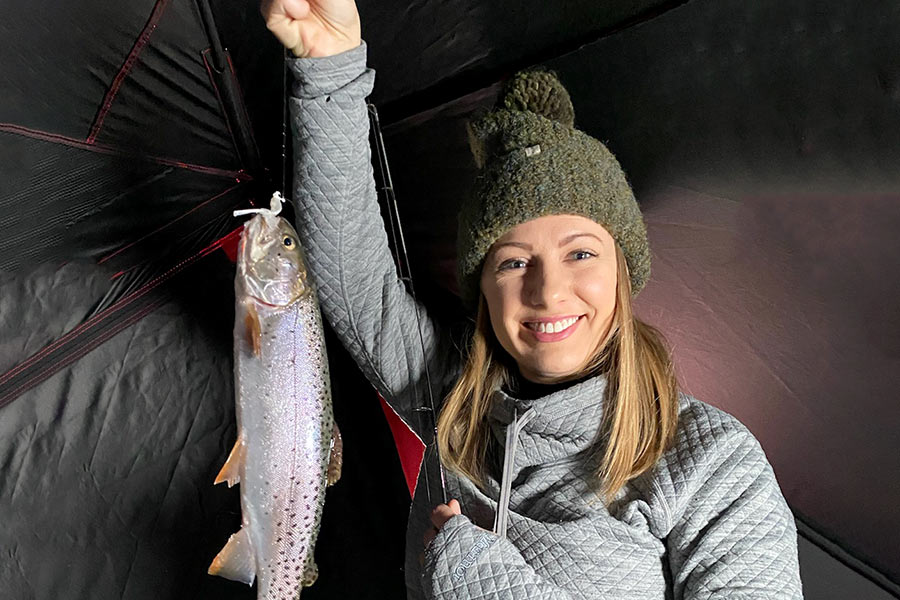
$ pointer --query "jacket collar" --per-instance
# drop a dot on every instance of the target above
(552, 428)
(560, 425)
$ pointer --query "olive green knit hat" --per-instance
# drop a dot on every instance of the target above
(533, 163)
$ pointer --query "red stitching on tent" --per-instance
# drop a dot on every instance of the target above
(132, 57)
(212, 80)
(240, 97)
(55, 138)
(93, 321)
(161, 227)
(54, 367)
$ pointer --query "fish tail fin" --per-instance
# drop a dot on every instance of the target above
(336, 460)
(236, 561)
(231, 470)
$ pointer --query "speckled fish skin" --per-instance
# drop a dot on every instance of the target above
(284, 415)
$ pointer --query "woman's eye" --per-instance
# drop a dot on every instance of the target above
(513, 263)
(582, 254)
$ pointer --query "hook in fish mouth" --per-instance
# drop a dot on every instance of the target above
(274, 209)
(271, 263)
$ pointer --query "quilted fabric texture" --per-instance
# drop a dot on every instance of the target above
(708, 522)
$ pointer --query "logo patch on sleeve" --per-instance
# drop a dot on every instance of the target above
(481, 544)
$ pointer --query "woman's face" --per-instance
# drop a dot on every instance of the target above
(550, 287)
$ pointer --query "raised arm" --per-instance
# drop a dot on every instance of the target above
(338, 217)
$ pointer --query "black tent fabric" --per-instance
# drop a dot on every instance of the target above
(761, 139)
(113, 136)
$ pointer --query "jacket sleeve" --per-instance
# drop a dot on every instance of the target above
(733, 536)
(465, 562)
(343, 235)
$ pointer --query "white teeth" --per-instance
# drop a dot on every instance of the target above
(554, 327)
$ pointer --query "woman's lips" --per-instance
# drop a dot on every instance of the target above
(557, 335)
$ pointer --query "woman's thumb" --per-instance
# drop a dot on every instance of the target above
(294, 9)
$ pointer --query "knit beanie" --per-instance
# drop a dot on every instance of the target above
(532, 163)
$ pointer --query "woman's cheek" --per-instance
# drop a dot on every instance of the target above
(600, 292)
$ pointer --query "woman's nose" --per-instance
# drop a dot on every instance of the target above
(545, 285)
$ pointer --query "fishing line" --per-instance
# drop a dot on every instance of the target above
(284, 118)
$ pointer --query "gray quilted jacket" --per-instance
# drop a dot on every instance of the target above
(708, 522)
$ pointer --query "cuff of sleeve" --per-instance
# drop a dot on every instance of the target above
(455, 548)
(324, 75)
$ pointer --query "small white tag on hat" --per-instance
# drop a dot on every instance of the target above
(532, 150)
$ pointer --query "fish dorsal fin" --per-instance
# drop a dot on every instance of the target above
(336, 460)
(236, 561)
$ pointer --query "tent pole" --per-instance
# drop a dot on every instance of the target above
(226, 83)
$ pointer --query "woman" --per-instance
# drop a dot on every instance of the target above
(576, 468)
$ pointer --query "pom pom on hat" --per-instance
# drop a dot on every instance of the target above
(542, 93)
(513, 122)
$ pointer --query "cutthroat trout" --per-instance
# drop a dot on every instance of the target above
(288, 446)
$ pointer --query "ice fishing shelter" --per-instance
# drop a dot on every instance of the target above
(762, 140)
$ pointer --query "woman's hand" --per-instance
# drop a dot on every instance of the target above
(440, 515)
(313, 28)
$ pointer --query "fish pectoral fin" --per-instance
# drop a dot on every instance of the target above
(231, 471)
(236, 560)
(253, 330)
(336, 460)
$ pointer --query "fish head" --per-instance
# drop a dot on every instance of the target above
(271, 265)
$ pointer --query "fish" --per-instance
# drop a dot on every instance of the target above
(288, 448)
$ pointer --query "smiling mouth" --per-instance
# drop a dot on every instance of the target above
(553, 326)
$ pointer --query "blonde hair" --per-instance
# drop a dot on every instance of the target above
(640, 409)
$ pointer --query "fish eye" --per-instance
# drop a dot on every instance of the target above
(288, 241)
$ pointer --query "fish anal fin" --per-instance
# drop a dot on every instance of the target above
(231, 470)
(336, 460)
(236, 560)
(310, 571)
(252, 330)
